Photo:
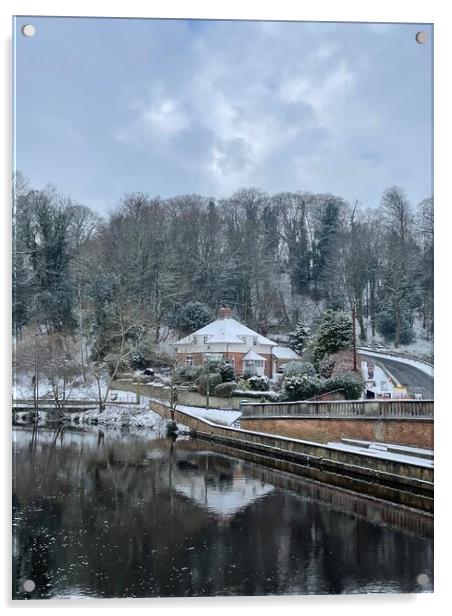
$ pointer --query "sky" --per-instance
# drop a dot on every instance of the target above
(105, 107)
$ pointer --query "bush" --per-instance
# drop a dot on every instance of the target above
(326, 367)
(298, 369)
(351, 382)
(244, 385)
(214, 380)
(187, 374)
(142, 352)
(226, 369)
(301, 388)
(258, 383)
(225, 390)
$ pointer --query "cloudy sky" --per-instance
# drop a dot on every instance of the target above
(110, 106)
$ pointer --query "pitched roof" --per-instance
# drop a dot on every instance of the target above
(227, 331)
(252, 355)
(282, 352)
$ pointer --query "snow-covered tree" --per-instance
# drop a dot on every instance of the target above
(194, 315)
(299, 338)
(334, 334)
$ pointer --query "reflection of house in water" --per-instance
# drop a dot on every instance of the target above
(217, 484)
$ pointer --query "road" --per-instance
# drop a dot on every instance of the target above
(410, 377)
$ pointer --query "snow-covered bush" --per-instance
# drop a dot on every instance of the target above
(187, 374)
(351, 382)
(259, 383)
(225, 390)
(226, 369)
(301, 387)
(298, 369)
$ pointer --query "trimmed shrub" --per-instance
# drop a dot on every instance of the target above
(225, 390)
(214, 380)
(298, 369)
(258, 383)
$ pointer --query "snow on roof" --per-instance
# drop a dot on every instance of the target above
(282, 352)
(252, 355)
(226, 330)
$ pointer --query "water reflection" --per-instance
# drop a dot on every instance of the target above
(105, 514)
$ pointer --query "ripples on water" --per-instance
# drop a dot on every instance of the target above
(103, 514)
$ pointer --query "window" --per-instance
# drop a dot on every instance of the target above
(189, 360)
(195, 339)
(206, 338)
(254, 341)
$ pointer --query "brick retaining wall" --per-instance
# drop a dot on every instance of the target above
(409, 431)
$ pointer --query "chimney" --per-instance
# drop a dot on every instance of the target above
(224, 312)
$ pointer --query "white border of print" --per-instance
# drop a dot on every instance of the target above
(435, 12)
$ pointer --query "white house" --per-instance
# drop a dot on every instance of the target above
(226, 338)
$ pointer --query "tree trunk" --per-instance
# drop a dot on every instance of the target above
(397, 330)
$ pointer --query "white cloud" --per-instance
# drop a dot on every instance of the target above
(165, 117)
(261, 105)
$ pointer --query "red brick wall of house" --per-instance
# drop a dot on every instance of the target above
(412, 432)
(197, 359)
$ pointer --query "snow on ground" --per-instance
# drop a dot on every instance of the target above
(420, 365)
(220, 416)
(420, 347)
(385, 455)
(22, 389)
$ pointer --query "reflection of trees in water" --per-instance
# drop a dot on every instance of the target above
(121, 527)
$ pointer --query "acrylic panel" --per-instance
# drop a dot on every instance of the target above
(222, 308)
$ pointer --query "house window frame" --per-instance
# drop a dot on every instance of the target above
(189, 360)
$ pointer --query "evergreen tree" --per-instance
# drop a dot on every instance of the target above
(191, 317)
(299, 338)
(334, 334)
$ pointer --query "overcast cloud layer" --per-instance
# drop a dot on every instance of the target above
(105, 107)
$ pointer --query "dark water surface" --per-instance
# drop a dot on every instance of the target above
(100, 513)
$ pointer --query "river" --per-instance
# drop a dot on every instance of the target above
(105, 513)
